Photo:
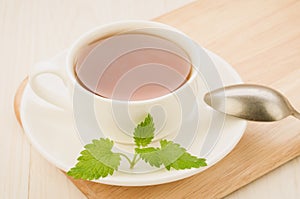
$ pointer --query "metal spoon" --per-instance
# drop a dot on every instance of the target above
(251, 102)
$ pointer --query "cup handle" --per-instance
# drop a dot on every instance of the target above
(55, 68)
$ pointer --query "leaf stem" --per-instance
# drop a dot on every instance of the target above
(137, 160)
(132, 162)
(125, 156)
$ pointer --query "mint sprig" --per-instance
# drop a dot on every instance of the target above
(98, 160)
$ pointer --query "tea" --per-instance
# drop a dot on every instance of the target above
(132, 66)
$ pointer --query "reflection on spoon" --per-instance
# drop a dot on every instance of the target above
(251, 102)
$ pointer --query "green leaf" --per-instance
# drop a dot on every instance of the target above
(101, 150)
(150, 155)
(174, 156)
(171, 155)
(96, 161)
(187, 161)
(144, 132)
(170, 152)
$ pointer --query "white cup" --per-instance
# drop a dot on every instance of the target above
(117, 119)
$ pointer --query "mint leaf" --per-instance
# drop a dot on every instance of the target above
(96, 161)
(170, 152)
(150, 155)
(174, 156)
(144, 132)
(101, 150)
(187, 161)
(171, 155)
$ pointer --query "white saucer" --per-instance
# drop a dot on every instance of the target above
(53, 133)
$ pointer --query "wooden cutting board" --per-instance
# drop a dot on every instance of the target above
(261, 39)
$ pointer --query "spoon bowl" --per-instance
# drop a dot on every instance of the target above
(251, 102)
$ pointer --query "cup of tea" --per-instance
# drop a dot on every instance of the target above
(126, 70)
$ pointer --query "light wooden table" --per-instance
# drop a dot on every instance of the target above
(35, 30)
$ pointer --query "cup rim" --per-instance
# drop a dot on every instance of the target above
(137, 24)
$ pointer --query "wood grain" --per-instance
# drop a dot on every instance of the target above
(18, 99)
(264, 146)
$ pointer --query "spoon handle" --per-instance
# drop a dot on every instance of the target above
(296, 114)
